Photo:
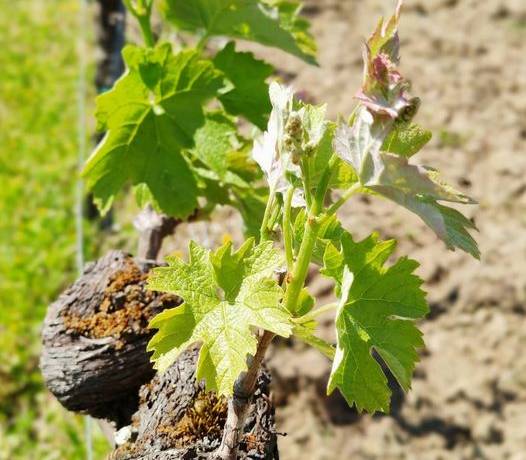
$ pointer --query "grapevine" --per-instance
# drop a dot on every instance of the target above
(173, 131)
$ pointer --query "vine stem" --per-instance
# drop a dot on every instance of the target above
(305, 167)
(146, 29)
(153, 228)
(203, 41)
(239, 404)
(299, 274)
(266, 218)
(343, 199)
(142, 10)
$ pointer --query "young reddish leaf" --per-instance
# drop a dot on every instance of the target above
(384, 90)
(381, 123)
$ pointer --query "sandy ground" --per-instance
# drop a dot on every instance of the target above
(467, 62)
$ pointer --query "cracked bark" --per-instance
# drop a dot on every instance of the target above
(110, 382)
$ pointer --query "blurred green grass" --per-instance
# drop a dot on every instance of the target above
(38, 170)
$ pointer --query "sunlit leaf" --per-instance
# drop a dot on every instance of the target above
(249, 95)
(226, 295)
(273, 23)
(150, 116)
(378, 306)
(417, 188)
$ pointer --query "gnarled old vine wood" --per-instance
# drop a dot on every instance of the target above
(94, 337)
(177, 419)
(94, 360)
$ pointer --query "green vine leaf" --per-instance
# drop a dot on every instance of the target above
(251, 204)
(226, 294)
(150, 116)
(271, 23)
(378, 306)
(406, 140)
(214, 142)
(297, 25)
(343, 175)
(228, 170)
(249, 95)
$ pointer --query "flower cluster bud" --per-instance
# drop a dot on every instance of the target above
(296, 157)
(292, 140)
(294, 126)
(288, 142)
(309, 148)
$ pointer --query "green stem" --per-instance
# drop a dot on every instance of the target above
(319, 311)
(274, 216)
(301, 268)
(287, 228)
(264, 234)
(343, 199)
(146, 29)
(142, 11)
(129, 6)
(306, 181)
(321, 190)
(310, 234)
(202, 43)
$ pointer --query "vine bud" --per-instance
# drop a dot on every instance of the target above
(294, 125)
(309, 148)
(199, 406)
(296, 156)
(288, 142)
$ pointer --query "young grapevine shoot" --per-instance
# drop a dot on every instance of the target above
(172, 131)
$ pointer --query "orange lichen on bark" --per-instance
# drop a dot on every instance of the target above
(205, 418)
(126, 308)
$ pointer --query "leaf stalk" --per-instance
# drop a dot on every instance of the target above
(343, 199)
(287, 229)
(319, 311)
(264, 232)
(142, 11)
